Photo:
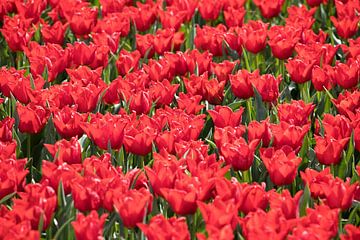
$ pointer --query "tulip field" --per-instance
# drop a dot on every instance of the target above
(179, 119)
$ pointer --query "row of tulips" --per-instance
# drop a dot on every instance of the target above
(179, 119)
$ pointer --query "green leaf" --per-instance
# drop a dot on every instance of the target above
(304, 201)
(345, 163)
(7, 197)
(261, 112)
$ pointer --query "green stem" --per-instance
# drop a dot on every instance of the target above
(247, 176)
(249, 109)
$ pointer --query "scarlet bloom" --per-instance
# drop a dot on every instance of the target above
(105, 130)
(16, 32)
(223, 70)
(297, 112)
(38, 201)
(224, 116)
(6, 126)
(234, 17)
(346, 26)
(253, 197)
(352, 232)
(260, 130)
(33, 118)
(282, 164)
(241, 83)
(239, 154)
(67, 122)
(140, 102)
(172, 17)
(210, 10)
(328, 150)
(12, 174)
(339, 194)
(86, 97)
(267, 86)
(274, 220)
(347, 75)
(127, 61)
(89, 227)
(288, 134)
(163, 40)
(316, 180)
(182, 198)
(82, 20)
(65, 151)
(321, 79)
(138, 140)
(268, 8)
(282, 41)
(299, 70)
(253, 35)
(163, 93)
(160, 227)
(286, 203)
(133, 206)
(219, 213)
(55, 33)
(190, 103)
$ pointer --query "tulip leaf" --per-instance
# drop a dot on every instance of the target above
(61, 195)
(7, 197)
(345, 163)
(304, 201)
(261, 112)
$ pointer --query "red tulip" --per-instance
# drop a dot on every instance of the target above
(253, 35)
(33, 118)
(67, 122)
(267, 86)
(286, 203)
(328, 150)
(260, 130)
(224, 116)
(296, 112)
(6, 126)
(160, 227)
(241, 83)
(65, 151)
(89, 227)
(106, 130)
(282, 41)
(268, 8)
(133, 206)
(352, 232)
(210, 10)
(339, 194)
(299, 71)
(282, 164)
(55, 33)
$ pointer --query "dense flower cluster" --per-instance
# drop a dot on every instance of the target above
(179, 119)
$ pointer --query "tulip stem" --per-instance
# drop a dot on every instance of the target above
(246, 176)
(28, 142)
(249, 108)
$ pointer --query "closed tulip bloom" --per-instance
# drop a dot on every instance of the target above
(106, 130)
(299, 70)
(133, 206)
(6, 126)
(241, 83)
(89, 227)
(210, 10)
(253, 197)
(54, 33)
(282, 41)
(296, 112)
(67, 122)
(268, 87)
(282, 164)
(352, 232)
(347, 74)
(340, 194)
(347, 26)
(65, 151)
(32, 118)
(269, 8)
(253, 35)
(161, 227)
(328, 150)
(224, 116)
(321, 79)
(286, 203)
(239, 154)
